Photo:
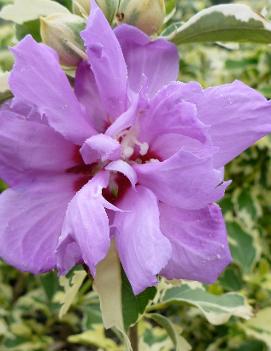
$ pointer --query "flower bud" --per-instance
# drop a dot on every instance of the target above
(62, 33)
(109, 8)
(147, 15)
(81, 7)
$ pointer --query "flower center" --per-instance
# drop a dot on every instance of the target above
(130, 145)
(118, 185)
(132, 151)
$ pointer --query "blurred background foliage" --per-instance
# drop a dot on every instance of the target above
(30, 305)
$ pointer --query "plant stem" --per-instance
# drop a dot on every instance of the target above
(133, 335)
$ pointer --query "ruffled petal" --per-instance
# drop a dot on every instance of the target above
(238, 118)
(157, 60)
(142, 248)
(100, 147)
(199, 243)
(169, 113)
(236, 114)
(85, 233)
(185, 180)
(38, 79)
(29, 147)
(106, 61)
(166, 145)
(31, 217)
(86, 90)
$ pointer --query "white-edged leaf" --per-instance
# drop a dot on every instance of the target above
(107, 284)
(229, 22)
(27, 10)
(71, 289)
(95, 337)
(216, 308)
(259, 327)
(119, 306)
(179, 342)
(170, 9)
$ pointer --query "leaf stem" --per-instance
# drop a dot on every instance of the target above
(133, 336)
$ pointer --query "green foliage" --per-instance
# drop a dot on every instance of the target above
(29, 27)
(134, 305)
(233, 22)
(173, 331)
(28, 10)
(30, 305)
(216, 308)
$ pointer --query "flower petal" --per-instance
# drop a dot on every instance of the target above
(166, 145)
(236, 114)
(30, 147)
(169, 113)
(86, 90)
(199, 243)
(106, 61)
(86, 228)
(31, 217)
(38, 79)
(100, 147)
(244, 117)
(124, 168)
(141, 53)
(142, 248)
(25, 110)
(125, 120)
(185, 180)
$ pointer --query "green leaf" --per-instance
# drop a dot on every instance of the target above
(134, 306)
(50, 284)
(28, 10)
(171, 29)
(30, 27)
(243, 248)
(231, 279)
(6, 61)
(232, 22)
(216, 308)
(170, 9)
(247, 203)
(178, 341)
(92, 315)
(251, 345)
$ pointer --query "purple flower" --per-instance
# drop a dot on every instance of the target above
(128, 155)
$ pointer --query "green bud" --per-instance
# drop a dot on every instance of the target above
(147, 15)
(109, 8)
(81, 7)
(62, 33)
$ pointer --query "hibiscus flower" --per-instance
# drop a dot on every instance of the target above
(127, 154)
